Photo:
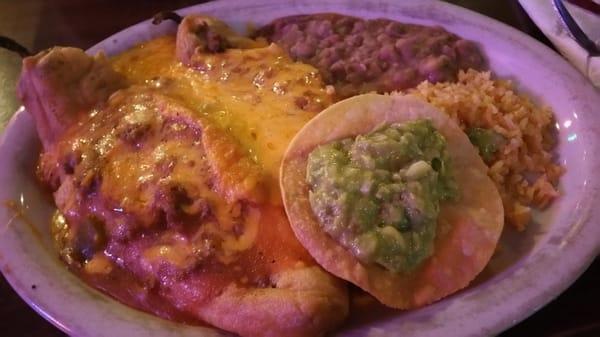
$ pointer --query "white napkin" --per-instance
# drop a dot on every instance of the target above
(546, 17)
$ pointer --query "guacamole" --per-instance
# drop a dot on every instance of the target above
(379, 194)
(487, 141)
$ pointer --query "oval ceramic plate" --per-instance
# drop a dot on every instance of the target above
(532, 268)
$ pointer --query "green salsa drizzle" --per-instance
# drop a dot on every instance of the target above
(378, 194)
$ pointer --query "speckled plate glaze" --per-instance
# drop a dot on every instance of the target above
(531, 269)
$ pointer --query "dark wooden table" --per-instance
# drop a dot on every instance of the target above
(39, 24)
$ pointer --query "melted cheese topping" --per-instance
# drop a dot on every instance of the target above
(182, 170)
(258, 96)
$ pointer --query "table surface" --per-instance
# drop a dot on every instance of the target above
(40, 24)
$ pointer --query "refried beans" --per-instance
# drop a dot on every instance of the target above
(358, 56)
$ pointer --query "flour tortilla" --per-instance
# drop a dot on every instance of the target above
(468, 228)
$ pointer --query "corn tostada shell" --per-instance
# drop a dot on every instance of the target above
(468, 228)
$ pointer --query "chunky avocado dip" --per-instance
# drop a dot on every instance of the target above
(487, 141)
(378, 194)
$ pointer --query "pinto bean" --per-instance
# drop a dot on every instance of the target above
(303, 49)
(356, 55)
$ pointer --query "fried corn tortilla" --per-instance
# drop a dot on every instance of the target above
(468, 228)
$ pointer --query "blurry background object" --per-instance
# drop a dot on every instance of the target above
(563, 33)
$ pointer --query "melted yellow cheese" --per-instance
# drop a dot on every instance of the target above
(99, 264)
(259, 96)
(179, 255)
